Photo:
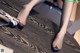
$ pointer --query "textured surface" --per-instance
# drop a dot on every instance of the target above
(35, 37)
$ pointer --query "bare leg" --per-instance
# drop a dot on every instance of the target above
(66, 16)
(73, 14)
(25, 12)
(60, 3)
(51, 1)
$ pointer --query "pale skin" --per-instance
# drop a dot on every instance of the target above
(67, 13)
(73, 14)
(60, 3)
(27, 8)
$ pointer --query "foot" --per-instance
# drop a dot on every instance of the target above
(22, 17)
(57, 44)
(22, 21)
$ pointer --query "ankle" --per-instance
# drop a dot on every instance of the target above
(61, 34)
(22, 23)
